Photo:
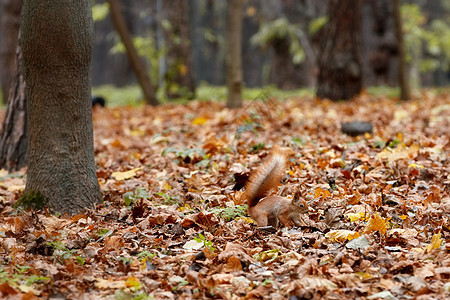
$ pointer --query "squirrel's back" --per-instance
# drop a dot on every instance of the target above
(266, 178)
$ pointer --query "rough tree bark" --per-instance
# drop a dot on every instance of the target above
(57, 38)
(234, 53)
(179, 54)
(10, 25)
(13, 138)
(136, 61)
(405, 92)
(339, 57)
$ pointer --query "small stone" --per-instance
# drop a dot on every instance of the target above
(356, 128)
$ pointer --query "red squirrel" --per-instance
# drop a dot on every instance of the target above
(268, 210)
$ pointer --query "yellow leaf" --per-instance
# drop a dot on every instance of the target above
(185, 207)
(416, 166)
(342, 235)
(125, 175)
(435, 242)
(136, 155)
(376, 223)
(247, 220)
(356, 216)
(167, 186)
(199, 121)
(132, 282)
(363, 275)
(403, 217)
(144, 264)
(137, 132)
(269, 256)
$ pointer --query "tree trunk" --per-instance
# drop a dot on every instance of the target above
(284, 73)
(339, 59)
(234, 53)
(10, 25)
(13, 138)
(180, 71)
(136, 62)
(403, 81)
(57, 42)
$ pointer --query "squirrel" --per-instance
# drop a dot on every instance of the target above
(268, 210)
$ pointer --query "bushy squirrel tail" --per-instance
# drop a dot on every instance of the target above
(266, 177)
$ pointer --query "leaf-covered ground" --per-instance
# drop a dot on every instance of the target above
(172, 225)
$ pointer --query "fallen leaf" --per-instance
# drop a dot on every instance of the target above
(360, 243)
(342, 235)
(376, 223)
(110, 284)
(435, 242)
(193, 245)
(401, 152)
(125, 175)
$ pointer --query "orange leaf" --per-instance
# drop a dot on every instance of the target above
(376, 223)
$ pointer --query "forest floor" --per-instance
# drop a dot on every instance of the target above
(172, 224)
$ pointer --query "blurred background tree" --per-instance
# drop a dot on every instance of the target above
(184, 45)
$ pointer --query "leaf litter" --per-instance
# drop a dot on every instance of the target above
(172, 224)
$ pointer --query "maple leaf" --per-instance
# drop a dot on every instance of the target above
(376, 223)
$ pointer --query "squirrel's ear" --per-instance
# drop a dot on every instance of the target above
(297, 196)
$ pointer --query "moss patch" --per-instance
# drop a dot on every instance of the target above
(33, 199)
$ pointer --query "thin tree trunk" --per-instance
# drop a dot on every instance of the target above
(57, 38)
(180, 70)
(13, 138)
(405, 92)
(10, 24)
(136, 61)
(234, 53)
(339, 59)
